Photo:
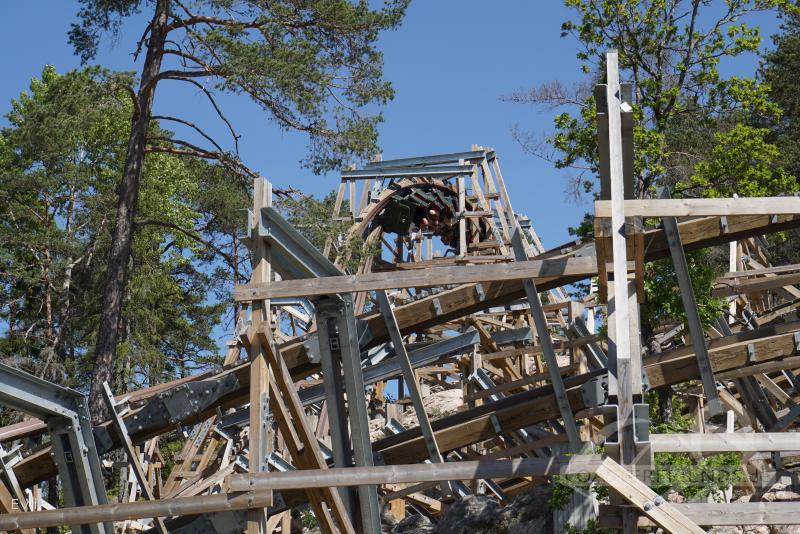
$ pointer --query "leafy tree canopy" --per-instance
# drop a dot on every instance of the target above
(311, 65)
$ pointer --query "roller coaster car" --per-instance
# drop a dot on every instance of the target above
(428, 209)
(396, 217)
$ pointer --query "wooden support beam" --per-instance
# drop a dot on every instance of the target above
(663, 513)
(690, 308)
(702, 207)
(259, 444)
(716, 514)
(736, 286)
(725, 442)
(439, 276)
(397, 474)
(81, 515)
(411, 383)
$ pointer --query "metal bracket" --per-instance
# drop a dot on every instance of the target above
(496, 424)
(437, 307)
(645, 383)
(641, 423)
(723, 224)
(73, 448)
(394, 427)
(797, 341)
(480, 292)
(279, 463)
(611, 426)
(595, 391)
(311, 346)
(181, 402)
(228, 522)
(751, 353)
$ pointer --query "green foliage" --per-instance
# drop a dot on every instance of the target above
(680, 472)
(692, 126)
(663, 293)
(312, 217)
(708, 476)
(741, 162)
(170, 446)
(585, 230)
(591, 528)
(679, 422)
(309, 519)
(561, 494)
(60, 161)
(563, 486)
(312, 66)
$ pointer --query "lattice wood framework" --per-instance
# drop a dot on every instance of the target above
(323, 402)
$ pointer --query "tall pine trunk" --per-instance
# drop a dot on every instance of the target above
(119, 256)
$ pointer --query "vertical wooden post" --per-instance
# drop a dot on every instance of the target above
(628, 381)
(352, 198)
(259, 368)
(462, 221)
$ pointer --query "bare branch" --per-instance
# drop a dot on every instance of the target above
(213, 101)
(226, 160)
(191, 125)
(188, 233)
(551, 94)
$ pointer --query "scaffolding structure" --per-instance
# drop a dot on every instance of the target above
(323, 401)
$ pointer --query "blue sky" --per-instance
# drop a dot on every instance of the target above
(449, 63)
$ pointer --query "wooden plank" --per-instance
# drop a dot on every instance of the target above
(624, 362)
(702, 207)
(725, 442)
(731, 287)
(462, 222)
(484, 204)
(394, 474)
(783, 269)
(664, 514)
(449, 275)
(774, 390)
(517, 384)
(258, 448)
(490, 187)
(718, 514)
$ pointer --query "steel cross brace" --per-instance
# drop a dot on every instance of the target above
(540, 321)
(340, 354)
(690, 306)
(7, 461)
(73, 448)
(412, 383)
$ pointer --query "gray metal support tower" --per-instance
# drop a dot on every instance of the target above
(73, 448)
(339, 345)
